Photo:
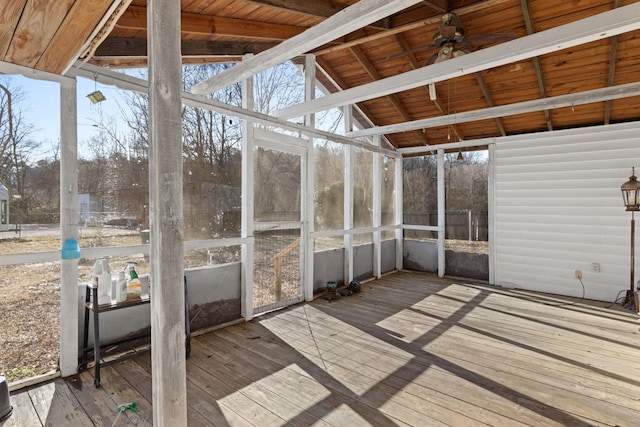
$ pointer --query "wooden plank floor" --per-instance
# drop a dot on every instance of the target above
(410, 350)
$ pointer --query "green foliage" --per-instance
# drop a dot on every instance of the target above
(20, 373)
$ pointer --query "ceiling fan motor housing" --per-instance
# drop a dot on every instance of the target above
(448, 34)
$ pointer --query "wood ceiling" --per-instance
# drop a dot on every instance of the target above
(54, 36)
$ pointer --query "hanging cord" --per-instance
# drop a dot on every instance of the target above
(564, 304)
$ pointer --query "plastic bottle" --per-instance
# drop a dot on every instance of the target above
(102, 279)
(133, 283)
(121, 288)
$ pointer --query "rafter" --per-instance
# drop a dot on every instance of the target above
(314, 8)
(393, 98)
(437, 5)
(604, 25)
(333, 83)
(610, 78)
(489, 98)
(320, 8)
(135, 17)
(613, 53)
(126, 47)
(528, 22)
(562, 101)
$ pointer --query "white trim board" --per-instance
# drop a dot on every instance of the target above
(126, 82)
(343, 22)
(570, 100)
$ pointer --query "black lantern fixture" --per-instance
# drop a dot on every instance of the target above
(631, 196)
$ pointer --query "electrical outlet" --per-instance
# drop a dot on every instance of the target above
(595, 267)
(579, 274)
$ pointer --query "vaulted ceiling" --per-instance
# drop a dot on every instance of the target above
(54, 36)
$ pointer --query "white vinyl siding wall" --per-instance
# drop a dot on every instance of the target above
(558, 209)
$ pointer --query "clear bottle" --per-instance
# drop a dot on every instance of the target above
(133, 283)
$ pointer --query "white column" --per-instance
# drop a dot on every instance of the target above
(441, 214)
(491, 220)
(69, 347)
(349, 162)
(399, 212)
(247, 202)
(377, 207)
(309, 211)
(169, 384)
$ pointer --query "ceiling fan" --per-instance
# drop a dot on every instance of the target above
(451, 40)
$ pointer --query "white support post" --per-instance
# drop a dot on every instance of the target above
(69, 293)
(399, 212)
(377, 207)
(309, 212)
(169, 381)
(310, 86)
(246, 302)
(441, 214)
(349, 171)
(491, 220)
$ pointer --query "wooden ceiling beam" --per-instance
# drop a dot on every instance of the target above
(350, 19)
(319, 8)
(333, 83)
(135, 18)
(562, 101)
(542, 88)
(610, 78)
(528, 22)
(314, 8)
(393, 98)
(613, 53)
(487, 95)
(604, 25)
(128, 47)
(441, 6)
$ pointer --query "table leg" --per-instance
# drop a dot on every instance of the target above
(96, 337)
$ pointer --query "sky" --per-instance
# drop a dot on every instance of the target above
(41, 108)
